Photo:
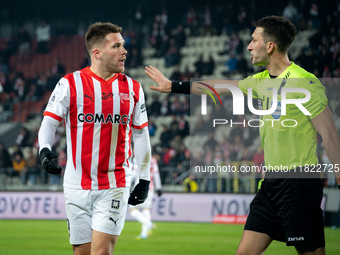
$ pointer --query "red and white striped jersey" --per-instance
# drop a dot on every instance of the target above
(98, 115)
(155, 179)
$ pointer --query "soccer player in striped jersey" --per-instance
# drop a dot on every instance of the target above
(102, 109)
(284, 209)
(144, 216)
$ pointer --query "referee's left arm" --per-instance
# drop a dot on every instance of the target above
(184, 87)
(325, 126)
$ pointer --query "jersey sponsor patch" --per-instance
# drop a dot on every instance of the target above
(115, 203)
(101, 118)
(54, 98)
(90, 97)
(142, 108)
(106, 96)
(294, 239)
(124, 96)
(114, 221)
(277, 113)
(259, 103)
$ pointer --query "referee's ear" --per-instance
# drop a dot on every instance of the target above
(271, 48)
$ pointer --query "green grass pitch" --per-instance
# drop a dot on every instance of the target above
(48, 237)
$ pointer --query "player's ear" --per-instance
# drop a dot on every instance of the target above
(270, 48)
(97, 53)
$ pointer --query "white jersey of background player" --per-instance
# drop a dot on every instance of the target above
(144, 215)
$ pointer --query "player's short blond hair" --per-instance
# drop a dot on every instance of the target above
(97, 32)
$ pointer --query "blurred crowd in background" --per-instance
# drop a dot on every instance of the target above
(34, 58)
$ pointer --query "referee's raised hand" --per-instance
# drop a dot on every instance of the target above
(164, 84)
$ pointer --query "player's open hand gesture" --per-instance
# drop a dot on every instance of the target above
(164, 84)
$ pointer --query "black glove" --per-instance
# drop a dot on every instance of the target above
(140, 192)
(46, 156)
(159, 192)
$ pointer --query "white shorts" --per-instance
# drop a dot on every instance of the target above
(101, 210)
(147, 203)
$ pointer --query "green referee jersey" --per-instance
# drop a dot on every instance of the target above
(288, 140)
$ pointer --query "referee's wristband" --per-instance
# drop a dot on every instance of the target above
(181, 87)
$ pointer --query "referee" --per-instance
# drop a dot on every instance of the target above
(287, 207)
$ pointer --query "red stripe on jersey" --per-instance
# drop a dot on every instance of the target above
(88, 127)
(52, 115)
(105, 139)
(140, 127)
(135, 87)
(123, 88)
(73, 116)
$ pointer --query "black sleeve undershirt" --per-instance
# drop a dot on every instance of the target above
(180, 87)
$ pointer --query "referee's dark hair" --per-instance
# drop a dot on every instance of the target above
(279, 30)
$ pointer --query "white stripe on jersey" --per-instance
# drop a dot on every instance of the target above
(96, 133)
(114, 136)
(128, 168)
(80, 108)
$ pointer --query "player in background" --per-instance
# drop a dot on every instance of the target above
(284, 209)
(144, 215)
(101, 109)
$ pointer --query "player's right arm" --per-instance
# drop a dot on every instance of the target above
(46, 138)
(55, 111)
(142, 150)
(166, 86)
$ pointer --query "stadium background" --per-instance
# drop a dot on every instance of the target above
(184, 39)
